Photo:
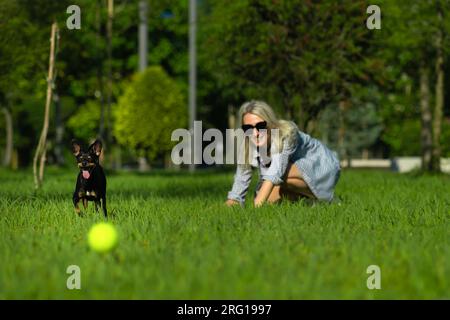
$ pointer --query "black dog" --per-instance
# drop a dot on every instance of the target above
(91, 181)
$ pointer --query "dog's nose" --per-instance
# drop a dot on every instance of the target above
(84, 163)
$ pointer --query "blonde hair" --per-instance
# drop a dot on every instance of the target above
(287, 129)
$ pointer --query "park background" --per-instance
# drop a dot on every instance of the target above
(366, 93)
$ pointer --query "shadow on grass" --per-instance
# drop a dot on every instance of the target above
(174, 184)
(420, 173)
(201, 172)
(175, 190)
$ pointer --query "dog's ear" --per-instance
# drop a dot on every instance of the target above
(76, 147)
(96, 147)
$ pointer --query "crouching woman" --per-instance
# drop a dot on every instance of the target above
(293, 164)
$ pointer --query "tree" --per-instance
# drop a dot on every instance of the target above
(439, 95)
(82, 64)
(416, 44)
(24, 51)
(151, 107)
(16, 49)
(302, 54)
(9, 137)
(109, 35)
(41, 150)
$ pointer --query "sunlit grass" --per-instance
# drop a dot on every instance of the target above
(177, 240)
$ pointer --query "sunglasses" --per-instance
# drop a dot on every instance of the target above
(259, 126)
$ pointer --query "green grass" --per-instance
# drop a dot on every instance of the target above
(177, 240)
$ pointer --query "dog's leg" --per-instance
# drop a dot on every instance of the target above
(76, 203)
(85, 203)
(97, 204)
(104, 206)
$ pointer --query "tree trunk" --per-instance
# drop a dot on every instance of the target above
(426, 133)
(142, 39)
(439, 105)
(99, 95)
(168, 164)
(301, 123)
(143, 34)
(231, 117)
(109, 50)
(59, 134)
(365, 154)
(41, 148)
(15, 160)
(289, 114)
(143, 164)
(341, 134)
(192, 96)
(311, 126)
(9, 137)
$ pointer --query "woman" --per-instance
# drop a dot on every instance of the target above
(295, 166)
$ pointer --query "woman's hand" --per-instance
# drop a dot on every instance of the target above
(263, 193)
(231, 202)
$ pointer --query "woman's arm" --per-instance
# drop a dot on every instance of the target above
(275, 174)
(264, 192)
(242, 180)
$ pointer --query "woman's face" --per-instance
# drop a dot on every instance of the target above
(258, 138)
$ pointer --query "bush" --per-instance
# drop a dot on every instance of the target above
(151, 107)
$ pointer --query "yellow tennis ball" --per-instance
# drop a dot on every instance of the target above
(102, 237)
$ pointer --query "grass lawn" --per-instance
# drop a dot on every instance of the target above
(177, 240)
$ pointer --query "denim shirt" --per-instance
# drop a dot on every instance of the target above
(318, 165)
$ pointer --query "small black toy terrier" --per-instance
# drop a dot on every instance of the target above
(91, 181)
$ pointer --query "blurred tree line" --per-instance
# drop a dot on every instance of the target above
(366, 93)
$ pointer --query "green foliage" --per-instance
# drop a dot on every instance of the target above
(304, 54)
(84, 123)
(151, 107)
(168, 37)
(407, 43)
(82, 58)
(20, 51)
(301, 56)
(404, 138)
(409, 31)
(24, 49)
